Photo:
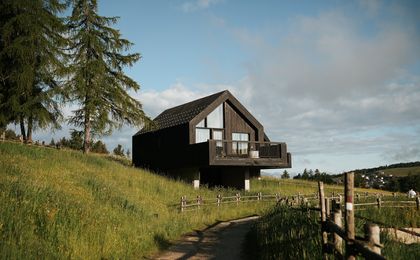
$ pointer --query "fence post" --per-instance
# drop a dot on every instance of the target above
(198, 201)
(418, 203)
(183, 203)
(357, 197)
(324, 235)
(219, 199)
(349, 194)
(338, 241)
(238, 198)
(379, 202)
(259, 196)
(394, 194)
(277, 197)
(327, 208)
(372, 235)
(305, 202)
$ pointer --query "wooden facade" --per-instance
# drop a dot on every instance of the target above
(213, 139)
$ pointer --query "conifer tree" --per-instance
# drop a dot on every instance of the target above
(98, 83)
(32, 61)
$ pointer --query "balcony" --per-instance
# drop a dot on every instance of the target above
(245, 153)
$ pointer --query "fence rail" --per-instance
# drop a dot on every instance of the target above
(330, 209)
(198, 202)
(331, 222)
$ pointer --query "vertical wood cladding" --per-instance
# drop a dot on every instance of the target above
(235, 123)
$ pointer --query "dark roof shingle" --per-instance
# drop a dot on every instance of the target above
(181, 114)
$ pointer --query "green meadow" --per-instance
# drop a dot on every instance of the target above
(64, 204)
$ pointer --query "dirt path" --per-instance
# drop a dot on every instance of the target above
(222, 241)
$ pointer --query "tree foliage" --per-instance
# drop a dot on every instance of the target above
(98, 83)
(315, 176)
(285, 175)
(32, 61)
(119, 150)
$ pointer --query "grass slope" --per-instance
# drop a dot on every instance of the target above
(63, 204)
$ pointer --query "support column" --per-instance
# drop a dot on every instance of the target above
(196, 181)
(247, 185)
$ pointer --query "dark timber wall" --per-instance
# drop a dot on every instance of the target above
(235, 123)
(223, 176)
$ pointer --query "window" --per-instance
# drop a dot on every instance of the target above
(241, 146)
(218, 135)
(215, 118)
(202, 123)
(202, 135)
(211, 127)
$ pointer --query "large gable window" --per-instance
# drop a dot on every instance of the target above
(215, 118)
(210, 127)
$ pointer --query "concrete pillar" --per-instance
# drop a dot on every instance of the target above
(247, 184)
(196, 181)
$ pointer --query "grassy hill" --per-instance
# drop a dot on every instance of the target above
(397, 170)
(404, 171)
(63, 204)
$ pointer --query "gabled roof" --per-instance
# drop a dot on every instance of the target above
(181, 114)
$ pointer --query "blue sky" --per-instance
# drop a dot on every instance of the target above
(339, 81)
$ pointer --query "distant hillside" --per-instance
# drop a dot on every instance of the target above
(401, 172)
(394, 177)
(398, 169)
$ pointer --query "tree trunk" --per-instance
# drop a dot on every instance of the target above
(86, 143)
(30, 127)
(22, 128)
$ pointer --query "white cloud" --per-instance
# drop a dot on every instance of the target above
(155, 102)
(197, 5)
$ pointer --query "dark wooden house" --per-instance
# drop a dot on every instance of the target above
(213, 140)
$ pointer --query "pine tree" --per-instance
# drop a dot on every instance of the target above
(98, 83)
(119, 150)
(305, 174)
(285, 175)
(32, 61)
(99, 147)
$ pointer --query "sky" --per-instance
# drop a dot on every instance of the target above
(338, 81)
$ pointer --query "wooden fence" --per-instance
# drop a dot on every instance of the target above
(294, 200)
(330, 209)
(331, 223)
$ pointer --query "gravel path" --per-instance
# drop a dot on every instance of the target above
(222, 241)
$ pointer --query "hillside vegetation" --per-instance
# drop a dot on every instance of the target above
(401, 172)
(64, 204)
(398, 169)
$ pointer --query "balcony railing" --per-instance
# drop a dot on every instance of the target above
(226, 149)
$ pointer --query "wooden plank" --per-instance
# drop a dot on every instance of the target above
(324, 235)
(349, 214)
(338, 241)
(372, 235)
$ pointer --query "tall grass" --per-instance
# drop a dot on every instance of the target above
(285, 233)
(63, 204)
